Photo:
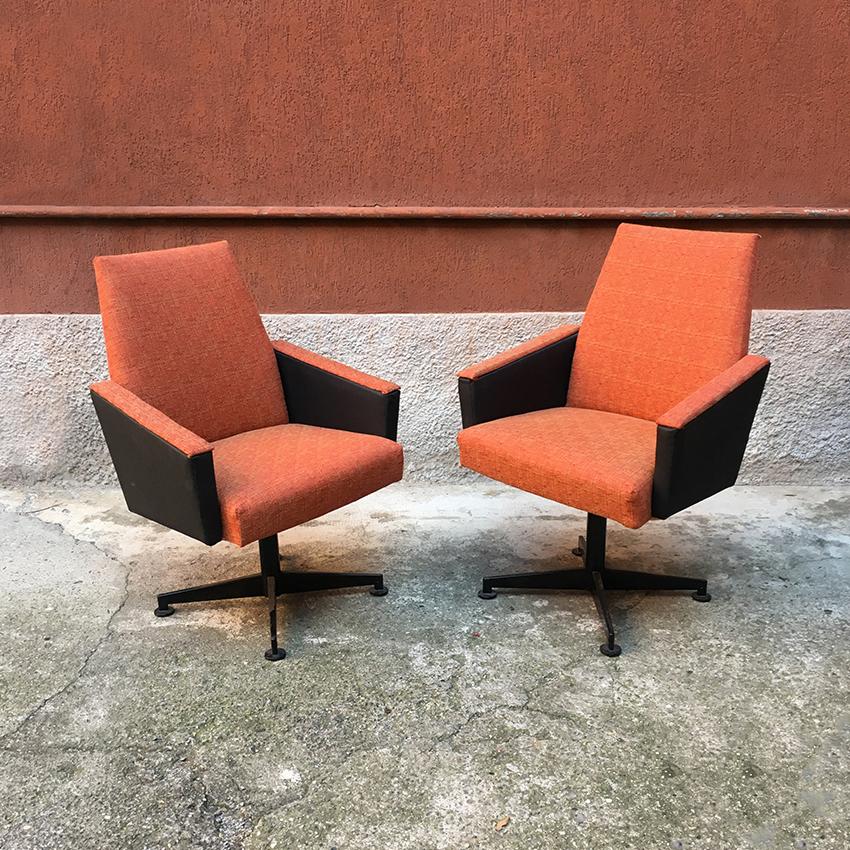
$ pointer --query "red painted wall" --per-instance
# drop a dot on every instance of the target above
(505, 103)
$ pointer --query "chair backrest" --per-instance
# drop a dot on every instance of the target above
(671, 309)
(183, 333)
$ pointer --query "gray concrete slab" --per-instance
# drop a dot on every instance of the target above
(426, 718)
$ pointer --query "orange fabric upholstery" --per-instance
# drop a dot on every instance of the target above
(595, 461)
(505, 357)
(183, 333)
(275, 478)
(335, 368)
(149, 417)
(713, 391)
(670, 311)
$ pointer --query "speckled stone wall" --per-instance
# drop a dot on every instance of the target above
(48, 428)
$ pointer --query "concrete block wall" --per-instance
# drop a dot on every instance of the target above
(48, 429)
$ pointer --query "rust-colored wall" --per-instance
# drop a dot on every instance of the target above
(404, 267)
(737, 102)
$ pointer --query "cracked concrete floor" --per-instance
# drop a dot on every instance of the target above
(423, 719)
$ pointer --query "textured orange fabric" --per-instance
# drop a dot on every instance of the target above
(182, 333)
(275, 478)
(149, 417)
(601, 463)
(339, 369)
(713, 391)
(505, 357)
(670, 311)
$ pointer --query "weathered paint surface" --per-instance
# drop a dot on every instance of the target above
(499, 103)
(403, 266)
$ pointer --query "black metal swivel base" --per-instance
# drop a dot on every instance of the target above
(596, 578)
(270, 582)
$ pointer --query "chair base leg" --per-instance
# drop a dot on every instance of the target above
(252, 586)
(578, 551)
(612, 650)
(273, 653)
(295, 581)
(235, 588)
(269, 583)
(596, 579)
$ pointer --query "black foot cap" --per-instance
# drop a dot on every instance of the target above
(701, 597)
(487, 594)
(378, 591)
(163, 612)
(577, 551)
(275, 656)
(612, 650)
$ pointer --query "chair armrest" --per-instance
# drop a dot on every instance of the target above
(531, 376)
(320, 391)
(700, 442)
(165, 471)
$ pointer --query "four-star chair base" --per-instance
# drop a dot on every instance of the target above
(596, 579)
(270, 582)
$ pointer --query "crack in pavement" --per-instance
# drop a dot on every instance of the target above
(100, 642)
(525, 705)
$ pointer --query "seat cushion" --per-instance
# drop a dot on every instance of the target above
(275, 478)
(598, 462)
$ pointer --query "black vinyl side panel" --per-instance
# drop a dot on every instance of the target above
(316, 397)
(535, 381)
(704, 457)
(159, 482)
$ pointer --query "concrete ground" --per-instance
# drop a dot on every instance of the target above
(428, 718)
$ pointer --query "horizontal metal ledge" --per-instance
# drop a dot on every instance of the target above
(450, 213)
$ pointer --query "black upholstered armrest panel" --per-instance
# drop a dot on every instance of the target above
(318, 396)
(703, 456)
(159, 481)
(535, 380)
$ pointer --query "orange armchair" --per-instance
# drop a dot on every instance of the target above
(218, 433)
(641, 411)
